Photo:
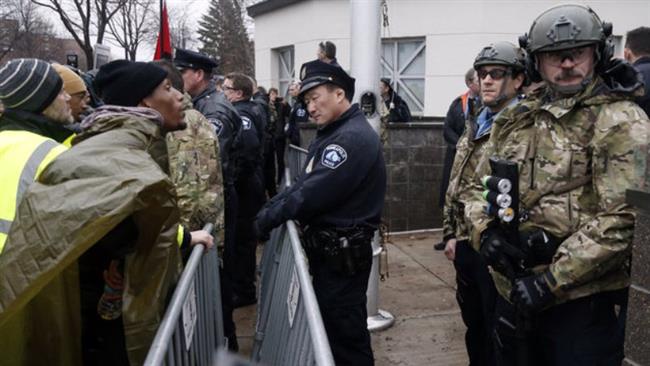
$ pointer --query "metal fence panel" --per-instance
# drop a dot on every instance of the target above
(289, 329)
(192, 328)
(296, 158)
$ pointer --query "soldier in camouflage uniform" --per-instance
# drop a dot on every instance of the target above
(579, 143)
(501, 72)
(195, 169)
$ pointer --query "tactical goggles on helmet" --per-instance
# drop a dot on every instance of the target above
(495, 74)
(576, 55)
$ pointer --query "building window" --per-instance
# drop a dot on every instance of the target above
(285, 69)
(402, 61)
(618, 46)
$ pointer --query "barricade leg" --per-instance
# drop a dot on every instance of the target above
(378, 319)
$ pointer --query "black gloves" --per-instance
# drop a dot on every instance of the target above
(533, 293)
(262, 226)
(498, 253)
(261, 233)
(540, 246)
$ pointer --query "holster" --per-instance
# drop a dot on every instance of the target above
(346, 251)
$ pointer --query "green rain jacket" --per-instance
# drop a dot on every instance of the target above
(115, 170)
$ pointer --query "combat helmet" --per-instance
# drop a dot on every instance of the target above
(567, 26)
(501, 53)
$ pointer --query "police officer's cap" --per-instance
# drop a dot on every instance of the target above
(186, 59)
(315, 73)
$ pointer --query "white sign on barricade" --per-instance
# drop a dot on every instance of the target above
(189, 316)
(293, 296)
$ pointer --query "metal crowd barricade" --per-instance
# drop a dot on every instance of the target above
(192, 328)
(289, 327)
(296, 157)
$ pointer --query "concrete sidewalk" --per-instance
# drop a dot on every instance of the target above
(420, 293)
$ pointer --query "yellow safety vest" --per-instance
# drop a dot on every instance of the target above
(23, 156)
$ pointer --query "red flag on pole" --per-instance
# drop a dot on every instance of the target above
(164, 43)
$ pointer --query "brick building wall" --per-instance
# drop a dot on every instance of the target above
(414, 155)
(637, 332)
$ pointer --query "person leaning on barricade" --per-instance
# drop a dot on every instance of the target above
(195, 170)
(94, 250)
(338, 200)
(558, 232)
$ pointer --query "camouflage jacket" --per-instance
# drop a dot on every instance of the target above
(195, 170)
(600, 133)
(469, 150)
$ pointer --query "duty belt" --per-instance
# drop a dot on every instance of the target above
(346, 250)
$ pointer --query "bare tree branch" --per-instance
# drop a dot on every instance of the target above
(83, 18)
(130, 26)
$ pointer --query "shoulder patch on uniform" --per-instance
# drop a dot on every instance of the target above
(301, 112)
(333, 156)
(217, 125)
(246, 123)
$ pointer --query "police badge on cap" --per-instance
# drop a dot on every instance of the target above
(315, 73)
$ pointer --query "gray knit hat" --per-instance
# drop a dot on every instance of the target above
(28, 84)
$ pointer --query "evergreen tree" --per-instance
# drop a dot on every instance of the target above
(210, 30)
(224, 37)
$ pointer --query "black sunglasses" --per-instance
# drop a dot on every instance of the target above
(495, 74)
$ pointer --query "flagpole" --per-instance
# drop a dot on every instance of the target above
(160, 38)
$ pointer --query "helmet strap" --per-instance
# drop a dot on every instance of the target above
(498, 103)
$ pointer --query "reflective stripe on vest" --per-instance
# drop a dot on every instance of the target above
(23, 156)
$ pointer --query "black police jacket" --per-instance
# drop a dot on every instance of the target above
(298, 114)
(226, 122)
(252, 136)
(261, 108)
(343, 182)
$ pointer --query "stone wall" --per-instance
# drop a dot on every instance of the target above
(414, 154)
(637, 333)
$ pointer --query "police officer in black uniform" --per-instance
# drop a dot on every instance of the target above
(338, 200)
(197, 69)
(261, 100)
(238, 89)
(297, 115)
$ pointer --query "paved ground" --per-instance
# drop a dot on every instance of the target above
(420, 293)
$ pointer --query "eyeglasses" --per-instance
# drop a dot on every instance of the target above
(576, 55)
(495, 74)
(80, 95)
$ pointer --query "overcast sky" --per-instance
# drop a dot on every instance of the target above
(195, 9)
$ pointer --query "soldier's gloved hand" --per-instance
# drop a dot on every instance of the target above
(498, 252)
(533, 293)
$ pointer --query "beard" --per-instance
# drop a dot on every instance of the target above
(59, 111)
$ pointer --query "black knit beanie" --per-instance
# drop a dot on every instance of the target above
(126, 83)
(29, 84)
